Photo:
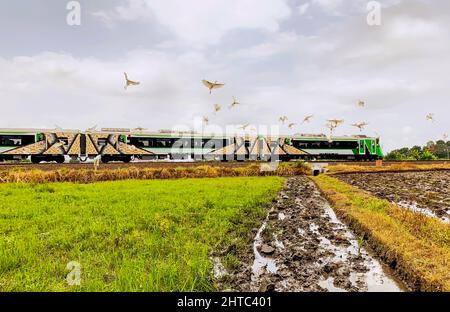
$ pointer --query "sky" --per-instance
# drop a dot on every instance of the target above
(277, 57)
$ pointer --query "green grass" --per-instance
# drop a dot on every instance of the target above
(134, 235)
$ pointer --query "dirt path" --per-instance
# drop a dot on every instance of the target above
(422, 192)
(302, 246)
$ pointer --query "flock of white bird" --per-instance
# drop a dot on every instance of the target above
(331, 124)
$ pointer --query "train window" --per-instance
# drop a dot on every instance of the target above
(16, 140)
(213, 143)
(197, 143)
(102, 142)
(143, 143)
(160, 142)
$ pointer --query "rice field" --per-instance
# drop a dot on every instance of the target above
(132, 235)
(84, 175)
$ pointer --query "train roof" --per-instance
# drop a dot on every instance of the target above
(35, 130)
(170, 133)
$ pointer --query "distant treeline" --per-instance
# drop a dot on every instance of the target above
(433, 150)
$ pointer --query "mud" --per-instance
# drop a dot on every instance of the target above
(311, 250)
(425, 192)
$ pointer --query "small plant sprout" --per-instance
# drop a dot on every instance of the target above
(360, 243)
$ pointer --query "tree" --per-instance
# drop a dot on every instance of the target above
(426, 155)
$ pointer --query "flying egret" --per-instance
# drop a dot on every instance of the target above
(283, 119)
(360, 125)
(212, 85)
(430, 117)
(307, 118)
(217, 108)
(243, 127)
(129, 82)
(92, 128)
(335, 122)
(235, 103)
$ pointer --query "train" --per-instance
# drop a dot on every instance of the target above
(126, 145)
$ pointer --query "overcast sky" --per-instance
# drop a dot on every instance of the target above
(278, 57)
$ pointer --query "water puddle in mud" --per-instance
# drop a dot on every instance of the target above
(374, 280)
(277, 243)
(423, 211)
(328, 284)
(218, 268)
(261, 262)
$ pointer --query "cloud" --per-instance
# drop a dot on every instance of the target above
(132, 11)
(277, 44)
(303, 8)
(202, 22)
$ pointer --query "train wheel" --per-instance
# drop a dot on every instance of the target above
(35, 159)
(60, 159)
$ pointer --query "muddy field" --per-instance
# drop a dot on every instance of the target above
(425, 192)
(302, 246)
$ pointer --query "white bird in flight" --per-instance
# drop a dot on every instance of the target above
(92, 128)
(430, 117)
(243, 127)
(334, 123)
(217, 108)
(205, 120)
(360, 125)
(129, 82)
(235, 103)
(330, 140)
(212, 85)
(283, 119)
(361, 103)
(291, 125)
(307, 118)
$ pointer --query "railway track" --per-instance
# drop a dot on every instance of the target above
(159, 164)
